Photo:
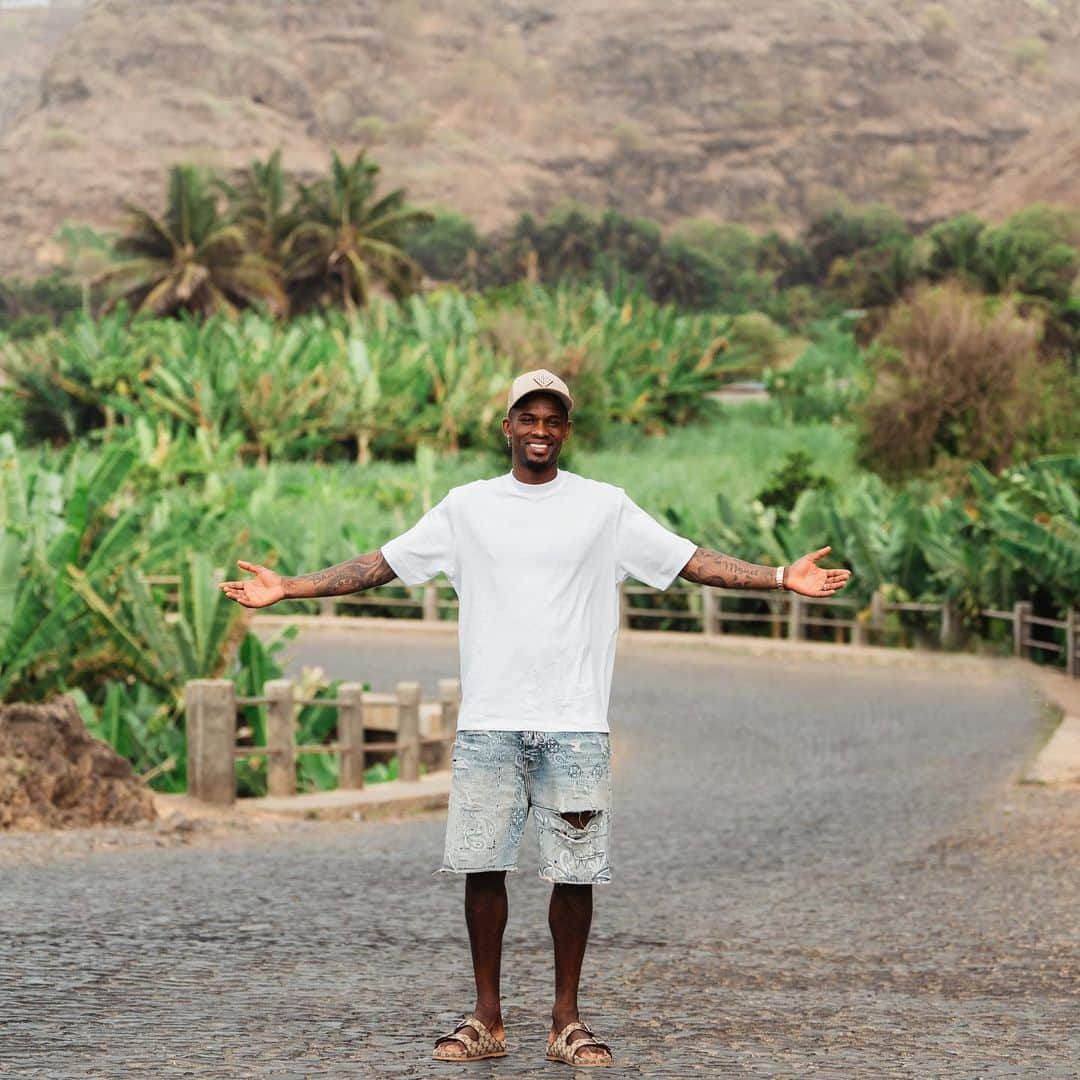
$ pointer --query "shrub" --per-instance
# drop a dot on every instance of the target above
(788, 482)
(954, 377)
(1030, 56)
(758, 335)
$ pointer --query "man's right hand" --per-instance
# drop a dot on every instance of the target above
(264, 589)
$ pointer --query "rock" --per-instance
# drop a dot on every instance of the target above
(54, 774)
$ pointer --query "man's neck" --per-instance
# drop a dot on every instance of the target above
(527, 476)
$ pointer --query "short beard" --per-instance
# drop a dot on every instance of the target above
(538, 466)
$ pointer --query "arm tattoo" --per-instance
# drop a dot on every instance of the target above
(708, 567)
(353, 575)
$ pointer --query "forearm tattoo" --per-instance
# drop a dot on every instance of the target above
(354, 575)
(708, 567)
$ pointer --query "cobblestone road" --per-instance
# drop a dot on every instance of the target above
(820, 870)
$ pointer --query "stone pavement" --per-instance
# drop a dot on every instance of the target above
(821, 870)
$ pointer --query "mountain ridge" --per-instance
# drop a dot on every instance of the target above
(493, 107)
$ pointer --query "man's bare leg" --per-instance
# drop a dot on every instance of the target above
(486, 911)
(570, 916)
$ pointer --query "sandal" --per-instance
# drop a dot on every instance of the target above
(563, 1050)
(485, 1046)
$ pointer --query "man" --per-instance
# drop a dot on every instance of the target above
(536, 556)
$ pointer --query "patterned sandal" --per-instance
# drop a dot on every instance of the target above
(485, 1046)
(562, 1049)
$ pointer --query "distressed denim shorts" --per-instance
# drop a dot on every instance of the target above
(496, 776)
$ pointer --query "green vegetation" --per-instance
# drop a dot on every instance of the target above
(921, 419)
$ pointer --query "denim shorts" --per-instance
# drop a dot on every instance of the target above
(496, 776)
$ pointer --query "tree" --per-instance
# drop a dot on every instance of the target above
(259, 202)
(347, 240)
(190, 258)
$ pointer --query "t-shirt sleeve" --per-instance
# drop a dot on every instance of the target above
(645, 549)
(425, 550)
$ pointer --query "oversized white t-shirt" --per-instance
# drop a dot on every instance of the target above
(536, 568)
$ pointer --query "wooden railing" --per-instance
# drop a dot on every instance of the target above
(211, 707)
(707, 610)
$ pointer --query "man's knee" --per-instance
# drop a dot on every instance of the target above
(578, 818)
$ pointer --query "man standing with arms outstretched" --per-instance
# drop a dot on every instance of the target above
(536, 557)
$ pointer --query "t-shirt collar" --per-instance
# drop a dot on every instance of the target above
(536, 491)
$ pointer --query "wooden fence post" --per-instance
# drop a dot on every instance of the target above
(350, 724)
(708, 611)
(795, 617)
(949, 626)
(877, 613)
(1072, 661)
(431, 603)
(210, 717)
(449, 697)
(280, 739)
(408, 735)
(1021, 611)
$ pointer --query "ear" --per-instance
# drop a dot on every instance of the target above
(506, 425)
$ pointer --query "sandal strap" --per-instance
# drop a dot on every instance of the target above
(485, 1042)
(563, 1043)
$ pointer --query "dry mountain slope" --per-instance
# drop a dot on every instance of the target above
(739, 112)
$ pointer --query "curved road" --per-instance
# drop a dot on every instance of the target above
(820, 869)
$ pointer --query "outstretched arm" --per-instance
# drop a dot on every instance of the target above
(707, 567)
(354, 575)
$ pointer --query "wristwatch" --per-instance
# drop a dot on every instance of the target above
(780, 577)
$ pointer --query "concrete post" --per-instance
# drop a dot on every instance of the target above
(795, 617)
(1072, 661)
(210, 716)
(431, 603)
(449, 697)
(624, 607)
(350, 725)
(326, 605)
(1021, 611)
(408, 704)
(280, 740)
(708, 612)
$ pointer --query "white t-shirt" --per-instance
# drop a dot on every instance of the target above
(536, 568)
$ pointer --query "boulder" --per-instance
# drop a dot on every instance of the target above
(54, 774)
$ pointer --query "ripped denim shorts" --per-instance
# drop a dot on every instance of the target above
(498, 775)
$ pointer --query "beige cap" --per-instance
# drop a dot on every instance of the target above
(534, 381)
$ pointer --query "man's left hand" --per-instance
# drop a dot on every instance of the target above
(804, 577)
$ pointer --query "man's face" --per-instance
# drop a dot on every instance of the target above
(537, 426)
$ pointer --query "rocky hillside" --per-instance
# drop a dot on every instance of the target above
(755, 113)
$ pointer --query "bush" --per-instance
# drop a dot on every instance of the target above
(788, 482)
(955, 376)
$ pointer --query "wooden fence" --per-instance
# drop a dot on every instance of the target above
(708, 610)
(211, 710)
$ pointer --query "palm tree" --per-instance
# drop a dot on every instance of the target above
(259, 203)
(190, 258)
(347, 240)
